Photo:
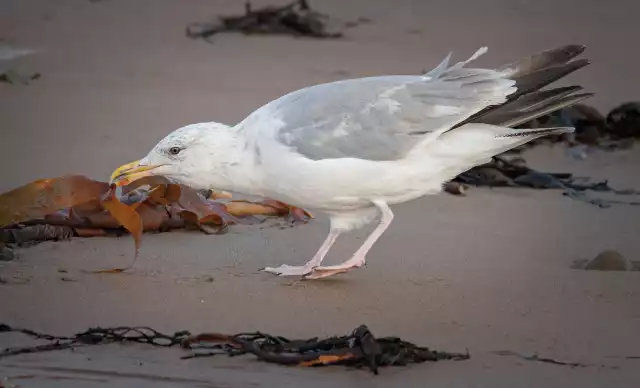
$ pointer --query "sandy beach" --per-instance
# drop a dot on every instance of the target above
(487, 272)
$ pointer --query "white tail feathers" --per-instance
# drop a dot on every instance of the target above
(487, 140)
(472, 144)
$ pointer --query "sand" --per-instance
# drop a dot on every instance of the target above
(486, 272)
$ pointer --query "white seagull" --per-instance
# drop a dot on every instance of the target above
(354, 147)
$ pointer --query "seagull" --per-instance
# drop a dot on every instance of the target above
(352, 148)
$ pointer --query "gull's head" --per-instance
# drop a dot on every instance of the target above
(185, 156)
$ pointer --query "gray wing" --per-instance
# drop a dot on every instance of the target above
(382, 118)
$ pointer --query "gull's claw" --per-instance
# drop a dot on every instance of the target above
(288, 270)
(331, 270)
(320, 273)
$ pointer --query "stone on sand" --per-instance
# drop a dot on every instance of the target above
(609, 260)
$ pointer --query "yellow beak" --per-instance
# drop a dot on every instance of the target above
(130, 172)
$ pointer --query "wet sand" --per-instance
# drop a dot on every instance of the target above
(486, 272)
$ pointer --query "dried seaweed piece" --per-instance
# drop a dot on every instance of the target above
(295, 213)
(89, 232)
(583, 196)
(359, 349)
(241, 208)
(165, 194)
(95, 210)
(624, 121)
(205, 211)
(296, 18)
(155, 218)
(514, 173)
(539, 180)
(128, 217)
(537, 358)
(45, 196)
(36, 233)
(485, 175)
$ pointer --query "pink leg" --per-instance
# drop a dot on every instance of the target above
(291, 270)
(358, 259)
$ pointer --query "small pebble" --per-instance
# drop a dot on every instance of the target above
(455, 188)
(6, 254)
(207, 279)
(609, 260)
(578, 152)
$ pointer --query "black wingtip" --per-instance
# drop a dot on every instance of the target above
(542, 60)
(578, 64)
(573, 50)
(583, 96)
(566, 52)
(532, 74)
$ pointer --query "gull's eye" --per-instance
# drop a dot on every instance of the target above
(175, 150)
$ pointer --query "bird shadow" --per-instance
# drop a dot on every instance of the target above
(331, 282)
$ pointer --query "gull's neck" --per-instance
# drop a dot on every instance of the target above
(239, 168)
(234, 164)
